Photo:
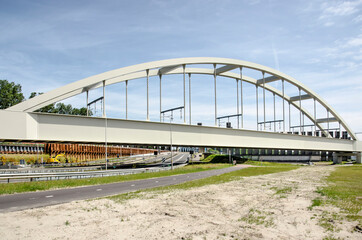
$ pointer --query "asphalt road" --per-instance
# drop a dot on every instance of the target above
(22, 201)
(154, 161)
(178, 158)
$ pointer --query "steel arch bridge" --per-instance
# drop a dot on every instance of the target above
(343, 138)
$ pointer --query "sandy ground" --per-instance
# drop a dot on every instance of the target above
(272, 206)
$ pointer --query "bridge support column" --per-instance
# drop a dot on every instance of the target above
(184, 66)
(300, 112)
(190, 98)
(126, 99)
(315, 117)
(215, 95)
(283, 105)
(264, 100)
(237, 100)
(337, 159)
(104, 99)
(274, 113)
(359, 158)
(257, 107)
(160, 97)
(148, 97)
(241, 97)
(87, 103)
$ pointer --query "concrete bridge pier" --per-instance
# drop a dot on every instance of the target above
(359, 157)
(337, 158)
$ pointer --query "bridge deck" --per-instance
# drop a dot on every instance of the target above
(65, 128)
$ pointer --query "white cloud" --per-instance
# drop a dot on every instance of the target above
(331, 8)
(344, 53)
(358, 19)
(312, 60)
(355, 42)
(329, 23)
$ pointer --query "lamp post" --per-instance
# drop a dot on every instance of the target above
(105, 141)
(171, 118)
(162, 113)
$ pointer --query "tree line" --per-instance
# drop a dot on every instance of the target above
(10, 94)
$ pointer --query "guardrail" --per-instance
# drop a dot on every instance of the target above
(6, 178)
(146, 158)
(42, 169)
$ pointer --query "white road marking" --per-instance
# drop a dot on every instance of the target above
(132, 185)
(49, 196)
(99, 189)
(156, 181)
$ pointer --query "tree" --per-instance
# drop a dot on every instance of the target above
(47, 109)
(62, 108)
(10, 94)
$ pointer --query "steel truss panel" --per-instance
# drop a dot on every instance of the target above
(267, 80)
(326, 120)
(301, 97)
(225, 69)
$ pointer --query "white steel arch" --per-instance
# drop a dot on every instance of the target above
(176, 66)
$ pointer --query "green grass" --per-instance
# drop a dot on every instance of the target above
(216, 157)
(330, 237)
(344, 191)
(222, 158)
(315, 203)
(9, 188)
(270, 164)
(282, 191)
(227, 177)
(256, 217)
(329, 221)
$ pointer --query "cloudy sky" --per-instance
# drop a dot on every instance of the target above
(47, 44)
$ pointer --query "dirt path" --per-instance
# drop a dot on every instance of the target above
(272, 206)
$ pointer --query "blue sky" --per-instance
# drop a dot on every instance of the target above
(47, 44)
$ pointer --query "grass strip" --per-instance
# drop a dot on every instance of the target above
(222, 158)
(344, 191)
(10, 188)
(227, 177)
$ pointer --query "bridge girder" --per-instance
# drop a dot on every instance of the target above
(43, 127)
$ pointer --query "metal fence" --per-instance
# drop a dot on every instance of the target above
(22, 177)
